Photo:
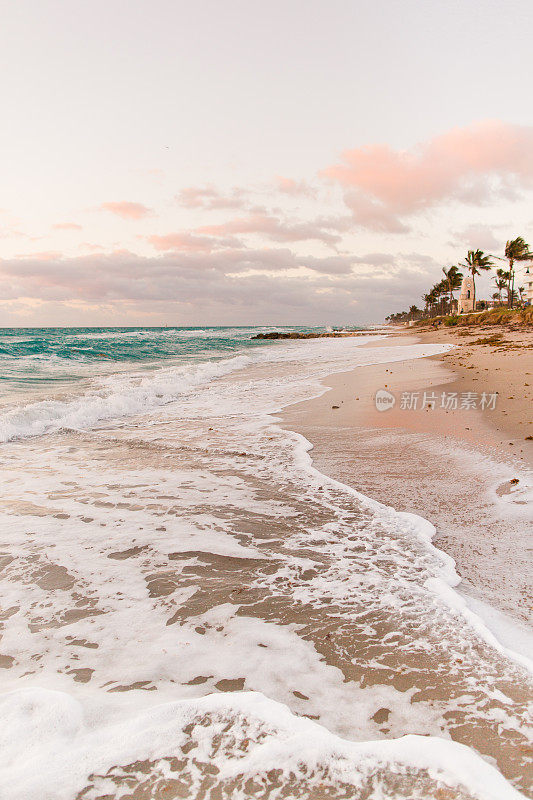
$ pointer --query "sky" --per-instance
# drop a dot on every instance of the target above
(250, 162)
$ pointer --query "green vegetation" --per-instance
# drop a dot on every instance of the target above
(439, 302)
(476, 262)
(515, 250)
(494, 316)
(502, 281)
(453, 279)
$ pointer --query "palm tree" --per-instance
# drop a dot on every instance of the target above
(431, 300)
(500, 284)
(515, 250)
(453, 280)
(501, 281)
(476, 262)
(443, 286)
(428, 302)
(438, 293)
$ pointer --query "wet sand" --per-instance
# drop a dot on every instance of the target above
(160, 570)
(456, 468)
(503, 365)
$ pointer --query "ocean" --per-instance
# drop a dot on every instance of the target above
(190, 609)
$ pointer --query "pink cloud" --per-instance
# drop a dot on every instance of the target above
(292, 187)
(12, 233)
(371, 214)
(92, 248)
(189, 242)
(279, 231)
(475, 164)
(209, 198)
(67, 226)
(474, 236)
(127, 210)
(46, 255)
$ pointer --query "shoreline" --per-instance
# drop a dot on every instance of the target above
(498, 360)
(201, 534)
(453, 468)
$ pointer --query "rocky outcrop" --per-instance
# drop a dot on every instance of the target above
(296, 335)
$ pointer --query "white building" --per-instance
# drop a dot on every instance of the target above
(466, 298)
(528, 283)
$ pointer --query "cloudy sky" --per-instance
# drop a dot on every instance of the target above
(290, 161)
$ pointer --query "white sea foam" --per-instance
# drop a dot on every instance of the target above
(119, 397)
(125, 395)
(256, 737)
(195, 549)
(501, 633)
(517, 639)
(146, 333)
(142, 333)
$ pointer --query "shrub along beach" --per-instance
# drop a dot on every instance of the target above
(440, 300)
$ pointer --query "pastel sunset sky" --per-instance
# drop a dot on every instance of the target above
(254, 162)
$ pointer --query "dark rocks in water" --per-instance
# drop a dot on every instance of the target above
(284, 335)
(296, 335)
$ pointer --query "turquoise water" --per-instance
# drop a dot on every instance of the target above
(164, 537)
(35, 357)
(52, 378)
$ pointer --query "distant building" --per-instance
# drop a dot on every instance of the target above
(529, 287)
(466, 298)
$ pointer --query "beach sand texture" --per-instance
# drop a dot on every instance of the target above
(159, 572)
(457, 468)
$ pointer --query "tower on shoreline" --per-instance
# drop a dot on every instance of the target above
(466, 298)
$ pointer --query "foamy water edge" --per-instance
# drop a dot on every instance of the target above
(410, 749)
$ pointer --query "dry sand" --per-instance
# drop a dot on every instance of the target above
(228, 573)
(452, 467)
(504, 366)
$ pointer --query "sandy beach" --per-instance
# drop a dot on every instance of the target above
(266, 392)
(466, 470)
(188, 600)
